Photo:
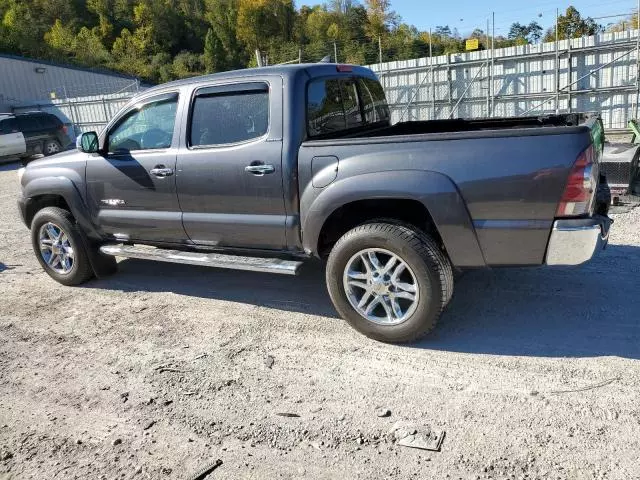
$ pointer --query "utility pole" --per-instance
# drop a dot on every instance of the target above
(493, 54)
(489, 74)
(433, 83)
(335, 52)
(380, 47)
(558, 65)
(635, 113)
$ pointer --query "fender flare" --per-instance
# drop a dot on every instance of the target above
(65, 188)
(435, 191)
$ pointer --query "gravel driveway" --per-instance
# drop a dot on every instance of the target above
(161, 369)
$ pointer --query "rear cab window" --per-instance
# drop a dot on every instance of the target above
(343, 105)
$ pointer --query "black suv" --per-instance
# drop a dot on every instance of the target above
(43, 132)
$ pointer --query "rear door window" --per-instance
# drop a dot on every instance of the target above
(229, 114)
(28, 123)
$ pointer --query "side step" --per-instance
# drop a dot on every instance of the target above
(254, 264)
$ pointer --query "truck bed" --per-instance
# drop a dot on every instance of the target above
(498, 125)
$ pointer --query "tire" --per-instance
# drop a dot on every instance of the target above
(391, 311)
(76, 269)
(51, 147)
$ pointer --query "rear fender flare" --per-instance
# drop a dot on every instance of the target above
(435, 191)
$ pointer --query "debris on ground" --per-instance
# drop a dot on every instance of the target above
(383, 412)
(268, 361)
(286, 414)
(205, 471)
(431, 442)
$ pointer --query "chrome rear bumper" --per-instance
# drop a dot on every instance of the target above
(575, 241)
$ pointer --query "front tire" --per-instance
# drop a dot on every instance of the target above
(388, 281)
(60, 247)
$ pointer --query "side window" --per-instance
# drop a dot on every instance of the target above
(8, 125)
(222, 117)
(374, 101)
(147, 127)
(26, 123)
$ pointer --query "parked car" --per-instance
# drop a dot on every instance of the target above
(27, 134)
(264, 169)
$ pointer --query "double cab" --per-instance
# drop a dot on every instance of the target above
(264, 169)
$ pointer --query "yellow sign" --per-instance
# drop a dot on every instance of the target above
(53, 95)
(472, 44)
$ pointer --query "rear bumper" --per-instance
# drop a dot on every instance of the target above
(576, 241)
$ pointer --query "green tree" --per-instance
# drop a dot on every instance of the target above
(572, 25)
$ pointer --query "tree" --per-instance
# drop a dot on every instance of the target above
(572, 25)
(214, 57)
(524, 34)
(380, 18)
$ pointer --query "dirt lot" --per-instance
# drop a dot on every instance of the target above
(161, 369)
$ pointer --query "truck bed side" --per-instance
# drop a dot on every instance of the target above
(508, 181)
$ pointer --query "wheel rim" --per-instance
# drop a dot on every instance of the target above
(52, 147)
(56, 248)
(381, 287)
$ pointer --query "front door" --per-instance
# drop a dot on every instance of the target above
(229, 172)
(11, 139)
(131, 185)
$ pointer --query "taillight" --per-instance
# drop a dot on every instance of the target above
(577, 197)
(64, 129)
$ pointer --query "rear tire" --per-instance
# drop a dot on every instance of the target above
(398, 294)
(59, 245)
(51, 147)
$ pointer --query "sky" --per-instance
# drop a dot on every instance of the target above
(466, 15)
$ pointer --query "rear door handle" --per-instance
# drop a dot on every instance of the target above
(260, 169)
(161, 171)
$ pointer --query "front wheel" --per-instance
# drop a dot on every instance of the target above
(389, 282)
(59, 246)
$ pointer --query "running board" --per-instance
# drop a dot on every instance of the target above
(217, 260)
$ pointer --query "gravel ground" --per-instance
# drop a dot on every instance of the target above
(161, 369)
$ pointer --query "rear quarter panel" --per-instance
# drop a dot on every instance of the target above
(510, 182)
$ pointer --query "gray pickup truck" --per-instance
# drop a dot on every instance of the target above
(263, 169)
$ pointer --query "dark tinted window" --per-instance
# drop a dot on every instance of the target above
(325, 113)
(342, 104)
(8, 125)
(220, 117)
(28, 123)
(48, 121)
(373, 101)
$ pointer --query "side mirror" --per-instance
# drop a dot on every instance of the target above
(88, 142)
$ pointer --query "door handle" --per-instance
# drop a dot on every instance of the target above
(260, 169)
(161, 171)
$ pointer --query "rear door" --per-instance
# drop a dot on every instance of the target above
(11, 139)
(230, 167)
(131, 187)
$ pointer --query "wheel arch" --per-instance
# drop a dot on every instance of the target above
(57, 192)
(428, 200)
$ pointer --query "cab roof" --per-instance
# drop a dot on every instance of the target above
(288, 71)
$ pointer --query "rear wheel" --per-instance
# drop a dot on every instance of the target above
(59, 246)
(51, 147)
(390, 282)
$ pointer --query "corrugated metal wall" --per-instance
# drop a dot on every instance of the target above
(595, 73)
(24, 80)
